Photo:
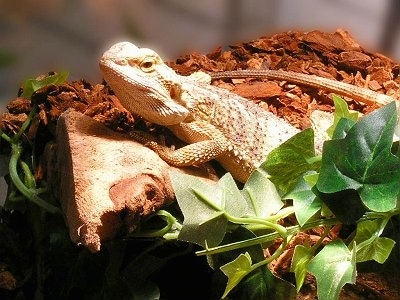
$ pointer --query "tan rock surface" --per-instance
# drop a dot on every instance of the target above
(104, 176)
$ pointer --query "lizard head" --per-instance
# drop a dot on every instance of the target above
(144, 84)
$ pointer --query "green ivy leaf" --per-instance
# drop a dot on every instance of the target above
(204, 207)
(341, 111)
(257, 283)
(369, 244)
(262, 284)
(233, 202)
(196, 213)
(294, 157)
(236, 234)
(261, 195)
(333, 267)
(363, 161)
(342, 128)
(236, 270)
(345, 205)
(32, 85)
(305, 202)
(256, 253)
(301, 257)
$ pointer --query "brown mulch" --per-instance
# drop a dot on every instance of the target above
(331, 55)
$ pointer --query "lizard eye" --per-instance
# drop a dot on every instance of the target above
(147, 66)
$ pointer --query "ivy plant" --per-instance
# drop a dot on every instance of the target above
(356, 180)
(23, 185)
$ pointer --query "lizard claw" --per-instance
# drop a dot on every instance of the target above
(141, 136)
(150, 141)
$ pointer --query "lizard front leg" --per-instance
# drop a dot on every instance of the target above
(205, 144)
(190, 155)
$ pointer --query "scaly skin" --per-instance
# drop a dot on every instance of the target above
(215, 123)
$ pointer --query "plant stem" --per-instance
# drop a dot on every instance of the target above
(163, 232)
(281, 230)
(29, 193)
(5, 136)
(268, 237)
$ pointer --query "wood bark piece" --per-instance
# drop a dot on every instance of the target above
(106, 180)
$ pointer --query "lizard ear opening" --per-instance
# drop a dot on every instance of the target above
(175, 92)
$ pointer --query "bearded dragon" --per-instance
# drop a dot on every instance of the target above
(215, 123)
